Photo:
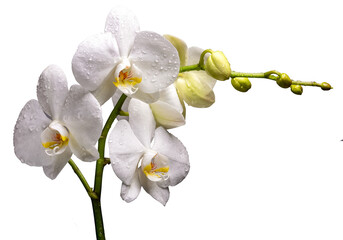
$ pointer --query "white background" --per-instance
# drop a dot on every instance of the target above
(266, 164)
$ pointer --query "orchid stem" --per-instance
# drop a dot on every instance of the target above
(83, 180)
(195, 67)
(100, 164)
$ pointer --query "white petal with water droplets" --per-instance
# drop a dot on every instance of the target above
(157, 59)
(26, 138)
(52, 170)
(85, 152)
(123, 24)
(83, 118)
(168, 145)
(146, 97)
(130, 192)
(125, 151)
(95, 60)
(141, 121)
(52, 90)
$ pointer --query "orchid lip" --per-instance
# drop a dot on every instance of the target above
(55, 138)
(127, 76)
(157, 169)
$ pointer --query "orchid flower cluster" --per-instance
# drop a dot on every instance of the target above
(149, 78)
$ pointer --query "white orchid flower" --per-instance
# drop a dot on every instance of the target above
(139, 64)
(194, 87)
(144, 156)
(169, 111)
(60, 123)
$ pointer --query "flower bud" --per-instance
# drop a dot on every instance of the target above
(241, 84)
(217, 66)
(195, 88)
(297, 89)
(284, 81)
(325, 86)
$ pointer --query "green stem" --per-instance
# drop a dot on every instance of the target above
(101, 145)
(195, 67)
(99, 223)
(100, 164)
(202, 58)
(122, 113)
(83, 180)
(314, 84)
(269, 75)
(272, 75)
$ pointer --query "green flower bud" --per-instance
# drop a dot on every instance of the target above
(241, 84)
(325, 86)
(297, 89)
(217, 66)
(284, 81)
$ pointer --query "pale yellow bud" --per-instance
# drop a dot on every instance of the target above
(195, 88)
(217, 66)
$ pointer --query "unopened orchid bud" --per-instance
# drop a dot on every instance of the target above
(217, 66)
(297, 89)
(241, 84)
(284, 81)
(325, 86)
(195, 89)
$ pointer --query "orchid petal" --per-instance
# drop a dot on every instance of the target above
(52, 170)
(181, 48)
(171, 147)
(123, 24)
(52, 90)
(168, 110)
(157, 59)
(157, 192)
(26, 139)
(194, 54)
(130, 192)
(94, 61)
(141, 121)
(125, 151)
(166, 115)
(105, 91)
(85, 152)
(170, 96)
(146, 97)
(83, 118)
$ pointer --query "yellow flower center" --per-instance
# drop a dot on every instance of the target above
(126, 78)
(55, 138)
(157, 169)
